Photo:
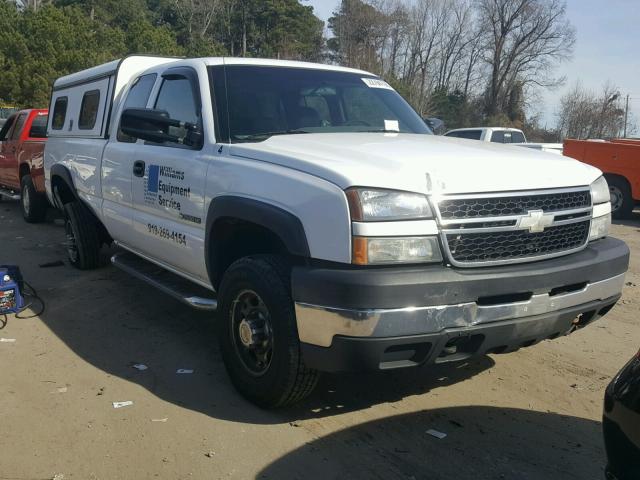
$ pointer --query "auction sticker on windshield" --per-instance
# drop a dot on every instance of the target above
(376, 83)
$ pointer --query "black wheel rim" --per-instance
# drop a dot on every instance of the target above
(251, 332)
(616, 198)
(72, 246)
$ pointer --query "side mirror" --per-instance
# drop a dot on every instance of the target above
(153, 125)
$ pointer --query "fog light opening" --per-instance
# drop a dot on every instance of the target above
(584, 319)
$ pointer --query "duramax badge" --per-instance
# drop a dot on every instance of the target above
(11, 300)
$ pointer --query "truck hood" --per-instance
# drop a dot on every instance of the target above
(419, 163)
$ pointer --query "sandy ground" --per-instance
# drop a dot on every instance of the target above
(532, 414)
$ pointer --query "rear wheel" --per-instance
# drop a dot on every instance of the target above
(83, 237)
(621, 200)
(258, 333)
(34, 204)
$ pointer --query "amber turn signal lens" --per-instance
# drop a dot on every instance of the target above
(360, 253)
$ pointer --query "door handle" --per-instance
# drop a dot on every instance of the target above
(138, 168)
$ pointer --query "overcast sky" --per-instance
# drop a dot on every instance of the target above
(607, 49)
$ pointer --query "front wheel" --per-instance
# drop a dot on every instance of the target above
(258, 333)
(34, 204)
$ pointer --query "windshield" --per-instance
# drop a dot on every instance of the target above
(263, 101)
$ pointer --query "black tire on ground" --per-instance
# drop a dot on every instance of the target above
(83, 237)
(255, 291)
(33, 204)
(621, 200)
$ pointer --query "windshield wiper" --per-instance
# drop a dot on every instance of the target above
(252, 136)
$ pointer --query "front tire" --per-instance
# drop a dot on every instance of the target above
(83, 237)
(34, 204)
(258, 333)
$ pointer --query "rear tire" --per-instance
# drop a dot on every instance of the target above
(258, 333)
(83, 237)
(34, 204)
(621, 200)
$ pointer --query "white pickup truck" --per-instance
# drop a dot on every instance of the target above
(511, 136)
(313, 209)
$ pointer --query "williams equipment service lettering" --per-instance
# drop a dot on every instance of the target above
(160, 190)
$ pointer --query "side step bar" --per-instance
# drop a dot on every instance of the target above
(10, 194)
(174, 285)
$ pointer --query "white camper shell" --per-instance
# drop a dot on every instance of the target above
(81, 102)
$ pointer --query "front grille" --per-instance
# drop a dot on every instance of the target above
(464, 208)
(516, 244)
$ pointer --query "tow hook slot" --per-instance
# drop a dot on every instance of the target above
(460, 348)
(583, 319)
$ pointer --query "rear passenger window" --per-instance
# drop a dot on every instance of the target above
(500, 136)
(59, 113)
(517, 137)
(137, 98)
(89, 110)
(39, 127)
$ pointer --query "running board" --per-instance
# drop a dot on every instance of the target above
(10, 194)
(174, 285)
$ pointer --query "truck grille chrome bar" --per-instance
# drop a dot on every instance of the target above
(513, 227)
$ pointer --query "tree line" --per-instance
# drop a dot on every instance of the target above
(468, 62)
(41, 40)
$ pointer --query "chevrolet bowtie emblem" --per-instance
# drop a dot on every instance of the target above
(535, 221)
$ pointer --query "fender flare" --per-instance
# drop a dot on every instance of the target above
(286, 226)
(61, 171)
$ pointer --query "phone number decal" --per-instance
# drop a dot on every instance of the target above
(179, 238)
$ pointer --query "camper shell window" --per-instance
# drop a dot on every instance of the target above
(89, 110)
(59, 113)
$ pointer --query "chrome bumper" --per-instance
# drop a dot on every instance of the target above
(317, 325)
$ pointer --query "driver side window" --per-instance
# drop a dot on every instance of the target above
(177, 98)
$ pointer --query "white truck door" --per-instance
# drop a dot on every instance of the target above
(117, 164)
(168, 182)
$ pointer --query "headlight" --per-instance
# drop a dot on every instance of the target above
(386, 250)
(373, 205)
(600, 191)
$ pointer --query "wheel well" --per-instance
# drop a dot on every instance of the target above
(61, 190)
(24, 170)
(232, 239)
(607, 176)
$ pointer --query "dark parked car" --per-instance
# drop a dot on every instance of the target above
(621, 423)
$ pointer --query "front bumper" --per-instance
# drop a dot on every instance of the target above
(355, 319)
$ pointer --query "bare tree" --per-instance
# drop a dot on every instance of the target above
(586, 114)
(523, 40)
(197, 15)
